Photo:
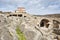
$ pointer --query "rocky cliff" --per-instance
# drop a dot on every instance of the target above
(27, 27)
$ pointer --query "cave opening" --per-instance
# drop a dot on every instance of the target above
(44, 22)
(20, 15)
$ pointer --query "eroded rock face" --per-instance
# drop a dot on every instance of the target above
(6, 34)
(29, 28)
(30, 35)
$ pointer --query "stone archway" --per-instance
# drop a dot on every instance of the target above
(44, 22)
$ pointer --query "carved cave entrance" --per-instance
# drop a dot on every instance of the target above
(44, 22)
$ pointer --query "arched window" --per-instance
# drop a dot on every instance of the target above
(44, 23)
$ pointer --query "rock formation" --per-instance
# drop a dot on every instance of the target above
(23, 26)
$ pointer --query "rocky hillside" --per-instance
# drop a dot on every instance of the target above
(17, 28)
(22, 28)
(49, 15)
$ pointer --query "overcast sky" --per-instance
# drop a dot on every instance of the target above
(32, 6)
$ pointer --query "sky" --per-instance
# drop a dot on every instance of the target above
(38, 7)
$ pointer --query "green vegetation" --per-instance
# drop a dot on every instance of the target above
(20, 34)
